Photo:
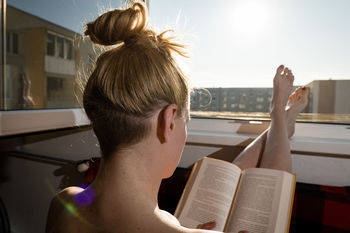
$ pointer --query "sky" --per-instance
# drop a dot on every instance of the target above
(236, 43)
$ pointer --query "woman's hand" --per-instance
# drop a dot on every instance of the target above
(210, 226)
(207, 226)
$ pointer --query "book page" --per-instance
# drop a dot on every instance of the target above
(258, 200)
(286, 204)
(211, 195)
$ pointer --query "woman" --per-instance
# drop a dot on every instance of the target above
(137, 100)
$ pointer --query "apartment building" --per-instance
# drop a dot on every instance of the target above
(330, 96)
(326, 96)
(231, 99)
(42, 63)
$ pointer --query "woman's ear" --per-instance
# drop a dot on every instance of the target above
(166, 122)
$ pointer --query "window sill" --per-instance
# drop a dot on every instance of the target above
(29, 121)
(308, 137)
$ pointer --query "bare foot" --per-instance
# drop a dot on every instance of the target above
(297, 101)
(282, 86)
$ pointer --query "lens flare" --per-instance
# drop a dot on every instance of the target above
(70, 207)
(85, 197)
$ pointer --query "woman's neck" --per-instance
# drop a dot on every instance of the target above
(130, 174)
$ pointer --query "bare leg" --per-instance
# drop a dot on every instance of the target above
(277, 150)
(249, 157)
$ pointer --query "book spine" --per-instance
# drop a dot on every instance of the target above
(187, 188)
(291, 203)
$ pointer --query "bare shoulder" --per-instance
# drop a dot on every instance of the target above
(60, 208)
(64, 197)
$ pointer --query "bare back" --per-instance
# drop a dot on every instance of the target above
(65, 216)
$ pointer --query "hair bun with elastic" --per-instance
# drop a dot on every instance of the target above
(117, 26)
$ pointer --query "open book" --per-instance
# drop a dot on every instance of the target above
(255, 200)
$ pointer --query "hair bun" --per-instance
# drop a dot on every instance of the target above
(116, 26)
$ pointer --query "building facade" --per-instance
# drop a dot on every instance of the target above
(43, 61)
(231, 99)
(329, 96)
(325, 96)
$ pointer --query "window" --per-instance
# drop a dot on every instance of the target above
(50, 44)
(12, 43)
(50, 55)
(260, 99)
(58, 94)
(238, 44)
(58, 46)
(68, 46)
(235, 51)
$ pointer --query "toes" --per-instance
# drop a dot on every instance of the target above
(291, 77)
(305, 89)
(296, 95)
(291, 98)
(299, 91)
(280, 69)
(288, 74)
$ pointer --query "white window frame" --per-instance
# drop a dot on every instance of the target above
(312, 137)
(29, 121)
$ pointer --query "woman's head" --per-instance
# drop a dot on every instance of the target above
(132, 80)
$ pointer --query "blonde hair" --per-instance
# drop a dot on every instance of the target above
(132, 80)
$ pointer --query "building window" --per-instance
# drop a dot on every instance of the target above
(259, 99)
(68, 46)
(59, 92)
(50, 44)
(12, 42)
(54, 87)
(59, 47)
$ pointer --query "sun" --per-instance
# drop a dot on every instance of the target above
(249, 18)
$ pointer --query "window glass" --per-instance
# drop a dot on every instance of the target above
(15, 43)
(8, 42)
(50, 44)
(12, 43)
(68, 47)
(59, 94)
(59, 47)
(235, 47)
(43, 68)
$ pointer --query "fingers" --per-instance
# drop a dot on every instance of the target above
(207, 226)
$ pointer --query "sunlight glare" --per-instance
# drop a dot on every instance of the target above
(249, 18)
